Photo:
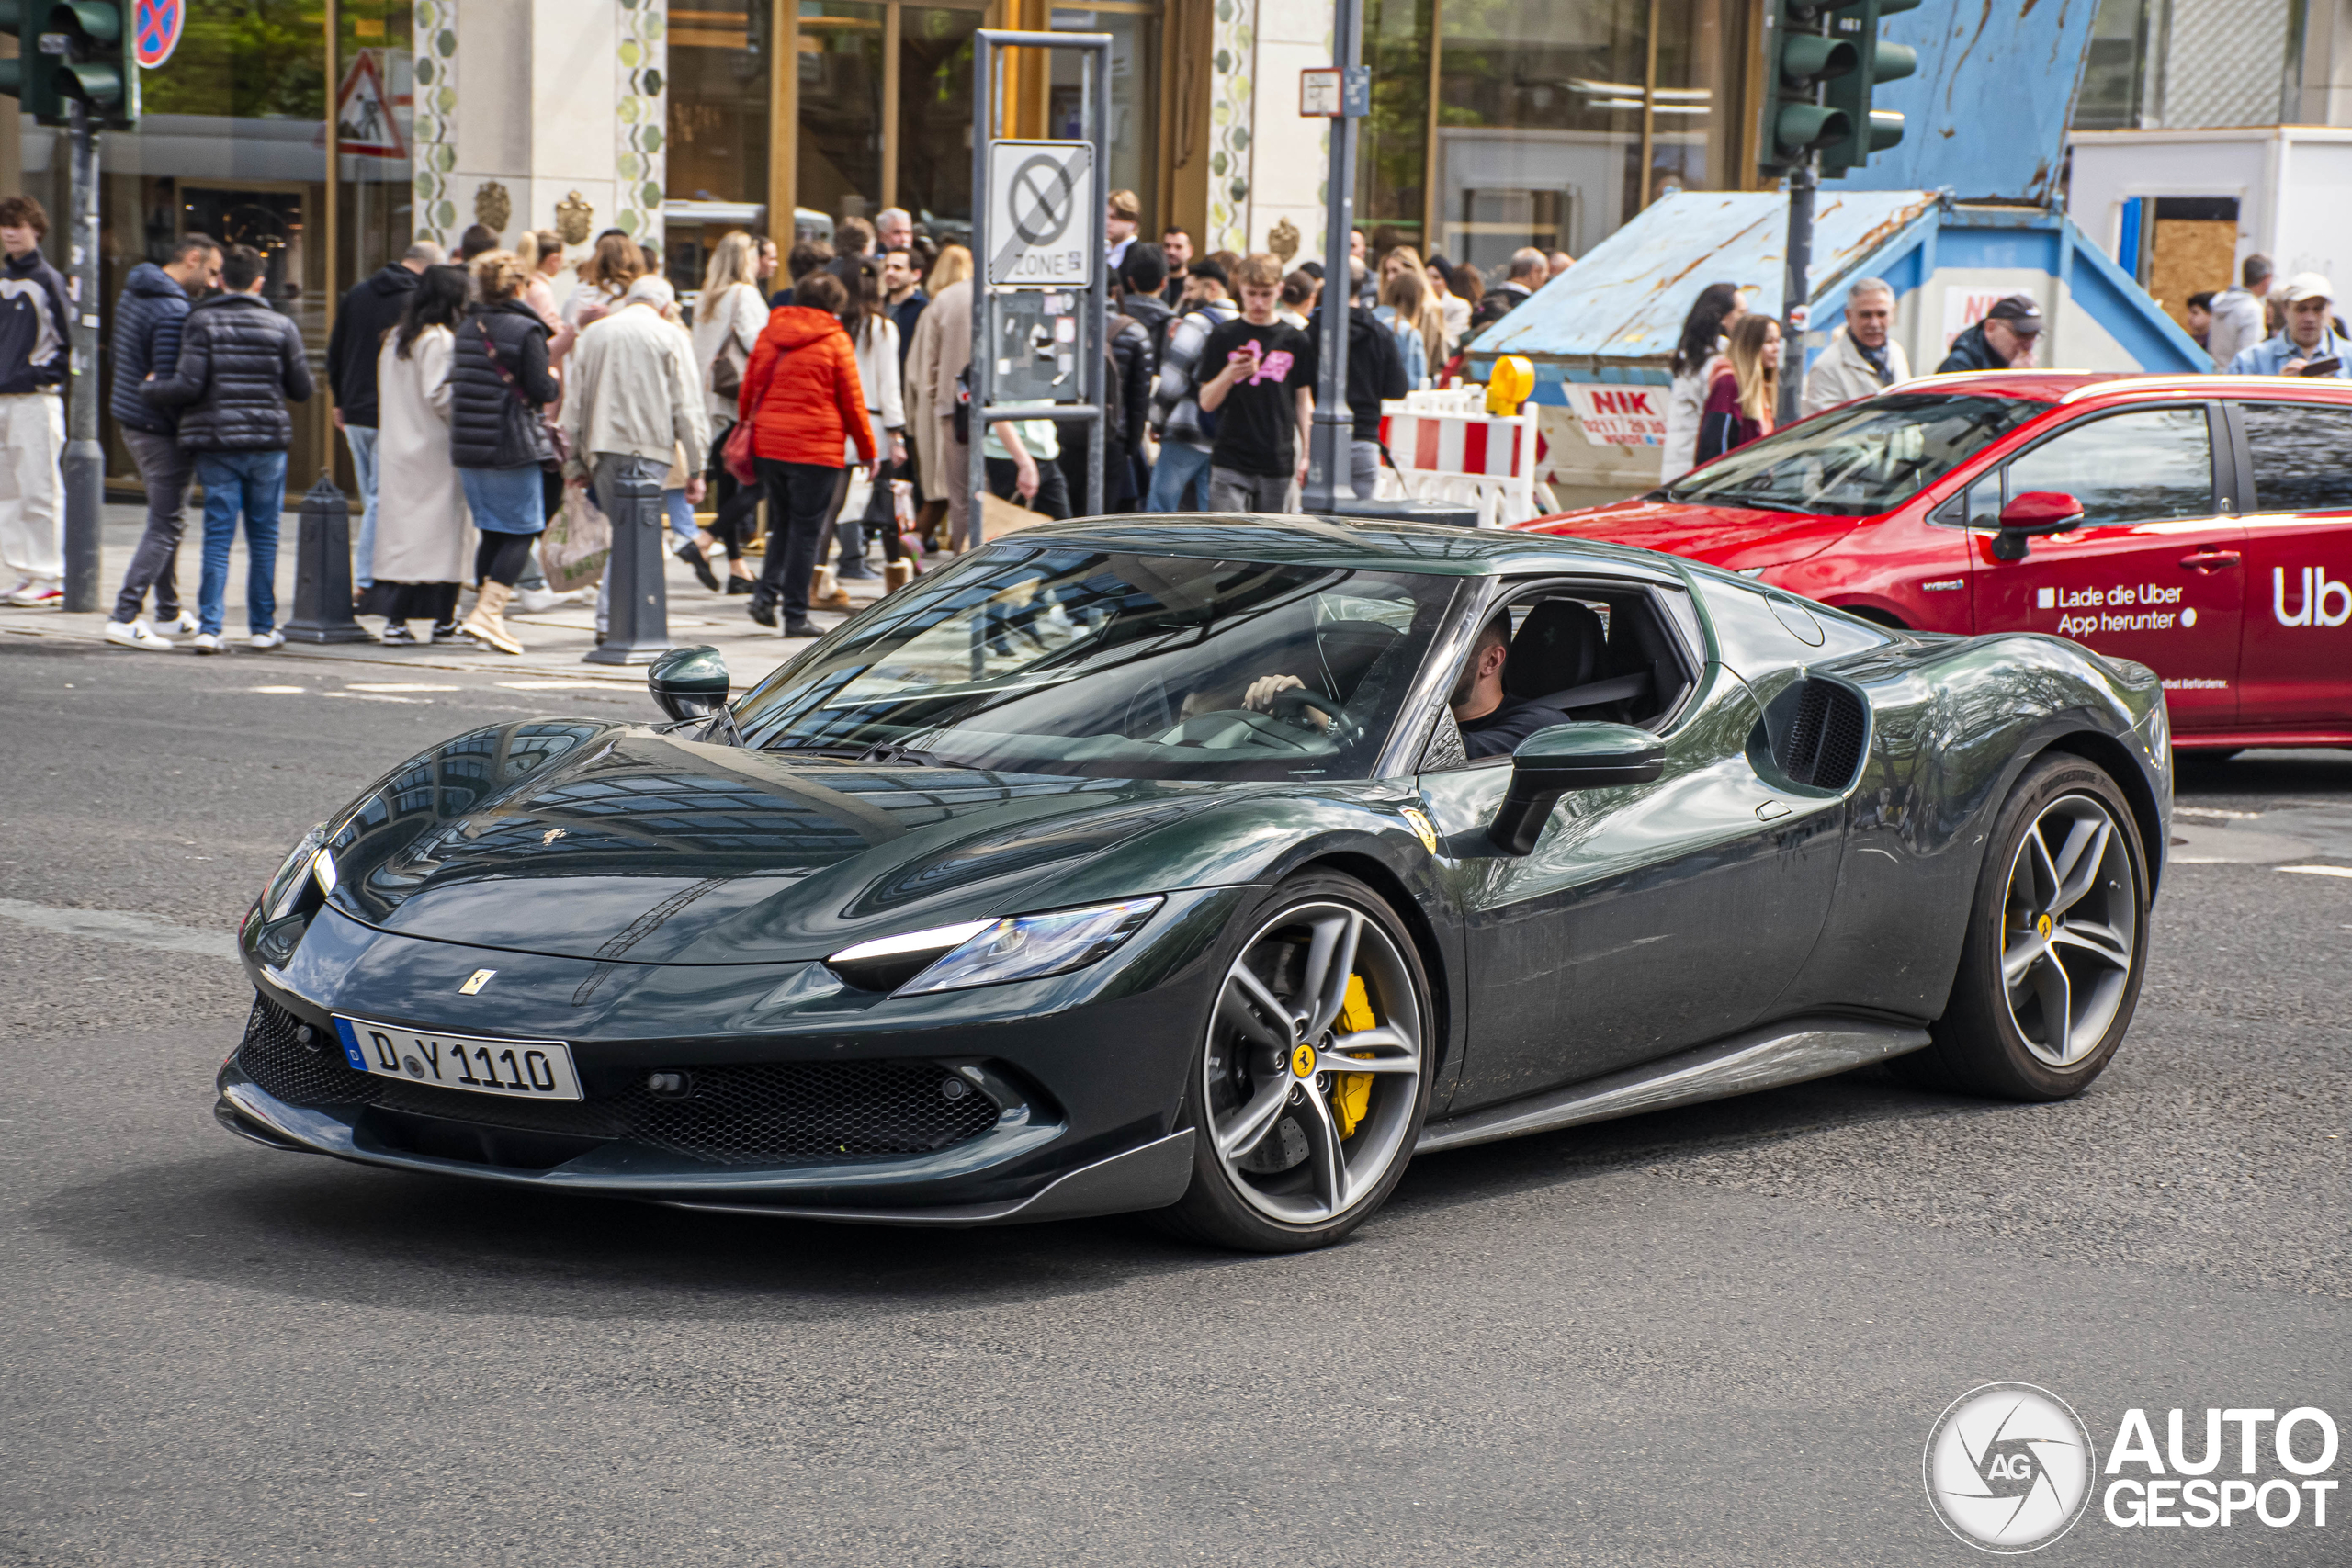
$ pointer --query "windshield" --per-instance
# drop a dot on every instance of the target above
(1062, 659)
(1859, 460)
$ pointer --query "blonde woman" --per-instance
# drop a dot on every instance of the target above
(954, 265)
(727, 324)
(1436, 345)
(1747, 389)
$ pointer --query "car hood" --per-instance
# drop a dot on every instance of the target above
(623, 844)
(1731, 536)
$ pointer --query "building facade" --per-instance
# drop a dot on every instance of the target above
(329, 133)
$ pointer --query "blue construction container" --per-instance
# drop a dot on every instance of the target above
(1601, 334)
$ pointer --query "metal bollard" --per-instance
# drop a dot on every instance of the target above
(323, 570)
(637, 623)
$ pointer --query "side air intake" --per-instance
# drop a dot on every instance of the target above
(1816, 731)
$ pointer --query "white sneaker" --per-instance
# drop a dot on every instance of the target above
(39, 593)
(210, 642)
(261, 642)
(537, 600)
(137, 634)
(180, 624)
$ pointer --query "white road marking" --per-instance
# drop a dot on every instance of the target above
(113, 925)
(556, 685)
(395, 686)
(376, 697)
(2215, 811)
(2320, 869)
(280, 691)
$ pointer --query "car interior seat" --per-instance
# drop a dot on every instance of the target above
(1562, 658)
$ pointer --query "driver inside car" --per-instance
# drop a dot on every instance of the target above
(1492, 722)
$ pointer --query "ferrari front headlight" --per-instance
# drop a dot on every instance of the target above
(991, 953)
(285, 890)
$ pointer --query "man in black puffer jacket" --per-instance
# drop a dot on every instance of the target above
(148, 320)
(239, 362)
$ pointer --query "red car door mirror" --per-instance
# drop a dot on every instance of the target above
(2032, 514)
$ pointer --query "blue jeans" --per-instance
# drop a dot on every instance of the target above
(682, 514)
(1172, 476)
(361, 439)
(254, 484)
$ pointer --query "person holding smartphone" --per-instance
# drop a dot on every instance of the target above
(2310, 345)
(1256, 377)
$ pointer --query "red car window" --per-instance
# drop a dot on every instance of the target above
(2301, 452)
(2144, 466)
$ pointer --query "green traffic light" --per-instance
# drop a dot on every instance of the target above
(1808, 58)
(1885, 132)
(1801, 127)
(98, 21)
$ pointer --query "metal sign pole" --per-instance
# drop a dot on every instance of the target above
(977, 377)
(1334, 426)
(1087, 344)
(83, 470)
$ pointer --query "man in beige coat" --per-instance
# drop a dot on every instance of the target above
(1862, 358)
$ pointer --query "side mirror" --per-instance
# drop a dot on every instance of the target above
(2031, 516)
(1553, 761)
(689, 682)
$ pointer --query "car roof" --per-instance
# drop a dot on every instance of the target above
(1362, 543)
(2076, 387)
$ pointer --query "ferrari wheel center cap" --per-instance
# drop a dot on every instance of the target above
(2041, 928)
(1302, 1061)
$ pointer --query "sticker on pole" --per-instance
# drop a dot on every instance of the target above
(155, 30)
(1041, 214)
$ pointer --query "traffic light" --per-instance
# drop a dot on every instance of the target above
(1876, 61)
(1801, 54)
(89, 41)
(26, 78)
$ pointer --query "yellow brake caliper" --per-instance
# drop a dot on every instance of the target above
(1351, 1092)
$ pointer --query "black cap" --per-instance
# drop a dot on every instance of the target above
(2019, 311)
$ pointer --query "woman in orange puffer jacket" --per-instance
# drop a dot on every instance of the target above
(802, 399)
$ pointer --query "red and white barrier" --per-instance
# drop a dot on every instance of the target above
(1447, 447)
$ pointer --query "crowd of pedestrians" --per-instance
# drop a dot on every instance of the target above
(806, 431)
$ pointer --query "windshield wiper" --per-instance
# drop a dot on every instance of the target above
(1748, 497)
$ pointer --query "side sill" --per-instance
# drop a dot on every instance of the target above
(1790, 1051)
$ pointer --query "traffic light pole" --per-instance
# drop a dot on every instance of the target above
(84, 465)
(1804, 178)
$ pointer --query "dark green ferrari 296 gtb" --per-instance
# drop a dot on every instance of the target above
(1212, 866)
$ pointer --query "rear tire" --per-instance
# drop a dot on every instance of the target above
(1285, 1160)
(2056, 947)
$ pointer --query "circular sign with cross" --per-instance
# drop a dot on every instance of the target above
(1041, 229)
(155, 30)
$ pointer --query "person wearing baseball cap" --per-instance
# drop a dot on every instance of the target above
(2311, 344)
(2004, 340)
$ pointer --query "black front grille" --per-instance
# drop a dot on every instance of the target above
(1824, 745)
(756, 1114)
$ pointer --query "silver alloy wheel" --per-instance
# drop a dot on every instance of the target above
(2069, 930)
(1280, 1052)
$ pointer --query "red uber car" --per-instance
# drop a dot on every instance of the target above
(2200, 525)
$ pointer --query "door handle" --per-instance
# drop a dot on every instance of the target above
(2209, 560)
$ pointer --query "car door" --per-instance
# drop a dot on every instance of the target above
(1648, 918)
(2156, 573)
(2295, 659)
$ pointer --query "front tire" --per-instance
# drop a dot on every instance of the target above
(2057, 943)
(1308, 1088)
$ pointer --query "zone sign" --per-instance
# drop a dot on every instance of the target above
(1042, 214)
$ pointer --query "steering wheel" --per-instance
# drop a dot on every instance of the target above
(1292, 703)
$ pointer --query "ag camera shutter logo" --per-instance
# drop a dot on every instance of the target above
(2008, 1467)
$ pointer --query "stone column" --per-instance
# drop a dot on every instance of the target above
(562, 124)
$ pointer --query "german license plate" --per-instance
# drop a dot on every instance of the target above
(520, 1069)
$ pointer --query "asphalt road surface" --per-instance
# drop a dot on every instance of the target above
(1714, 1336)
